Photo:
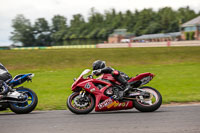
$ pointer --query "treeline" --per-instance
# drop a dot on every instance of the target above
(97, 27)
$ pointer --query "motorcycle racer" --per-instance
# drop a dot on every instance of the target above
(102, 93)
(4, 76)
(99, 67)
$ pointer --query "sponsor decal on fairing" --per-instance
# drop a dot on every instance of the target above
(109, 103)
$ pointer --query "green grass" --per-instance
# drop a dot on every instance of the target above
(177, 70)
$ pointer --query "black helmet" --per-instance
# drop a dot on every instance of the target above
(98, 64)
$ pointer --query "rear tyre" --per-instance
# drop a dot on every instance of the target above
(4, 106)
(148, 104)
(28, 106)
(2, 109)
(79, 105)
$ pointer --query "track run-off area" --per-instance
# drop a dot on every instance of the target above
(167, 119)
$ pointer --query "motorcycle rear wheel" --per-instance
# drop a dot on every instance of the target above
(148, 104)
(28, 106)
(77, 107)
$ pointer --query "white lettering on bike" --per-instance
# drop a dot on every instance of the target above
(92, 90)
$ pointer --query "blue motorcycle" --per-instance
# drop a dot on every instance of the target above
(20, 100)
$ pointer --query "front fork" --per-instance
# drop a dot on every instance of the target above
(83, 96)
(82, 93)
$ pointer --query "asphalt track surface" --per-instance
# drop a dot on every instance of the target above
(173, 119)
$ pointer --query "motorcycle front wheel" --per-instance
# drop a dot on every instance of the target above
(25, 107)
(80, 105)
(149, 103)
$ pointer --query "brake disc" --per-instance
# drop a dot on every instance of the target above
(79, 103)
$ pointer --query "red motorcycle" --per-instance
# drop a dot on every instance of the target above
(102, 93)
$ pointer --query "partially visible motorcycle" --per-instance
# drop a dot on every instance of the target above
(20, 100)
(103, 94)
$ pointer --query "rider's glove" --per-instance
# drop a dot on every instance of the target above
(96, 72)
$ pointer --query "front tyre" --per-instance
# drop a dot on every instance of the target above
(28, 106)
(80, 105)
(149, 103)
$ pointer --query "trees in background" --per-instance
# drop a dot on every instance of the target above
(97, 27)
(58, 30)
(23, 31)
(42, 33)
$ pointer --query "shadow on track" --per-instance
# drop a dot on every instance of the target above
(11, 113)
(122, 112)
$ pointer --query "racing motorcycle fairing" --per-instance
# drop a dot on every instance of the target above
(104, 93)
(21, 78)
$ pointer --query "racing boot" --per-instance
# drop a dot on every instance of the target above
(123, 93)
(127, 88)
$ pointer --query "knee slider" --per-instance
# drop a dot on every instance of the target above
(115, 72)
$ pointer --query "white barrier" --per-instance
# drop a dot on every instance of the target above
(149, 44)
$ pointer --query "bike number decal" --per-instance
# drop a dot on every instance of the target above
(87, 86)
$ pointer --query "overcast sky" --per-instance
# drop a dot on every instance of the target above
(33, 9)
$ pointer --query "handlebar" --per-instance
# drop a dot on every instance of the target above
(90, 76)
